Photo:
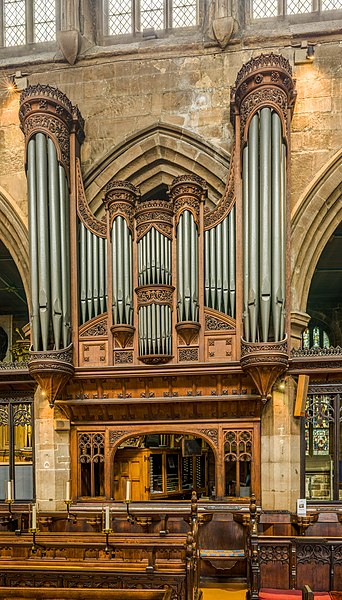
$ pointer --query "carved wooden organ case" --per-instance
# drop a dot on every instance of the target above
(155, 286)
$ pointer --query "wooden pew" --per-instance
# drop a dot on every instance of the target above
(19, 593)
(114, 560)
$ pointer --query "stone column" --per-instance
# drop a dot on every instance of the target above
(299, 322)
(52, 455)
(280, 450)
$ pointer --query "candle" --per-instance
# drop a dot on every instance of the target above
(107, 517)
(67, 491)
(9, 490)
(128, 490)
(34, 517)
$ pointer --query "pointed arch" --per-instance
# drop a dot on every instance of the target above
(14, 234)
(153, 157)
(314, 220)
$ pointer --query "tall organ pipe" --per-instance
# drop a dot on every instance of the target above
(154, 268)
(253, 225)
(265, 221)
(277, 294)
(219, 265)
(122, 270)
(55, 242)
(92, 269)
(49, 245)
(187, 268)
(33, 232)
(43, 239)
(264, 233)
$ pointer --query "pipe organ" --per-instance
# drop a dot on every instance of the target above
(152, 281)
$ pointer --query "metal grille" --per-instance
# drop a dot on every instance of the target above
(152, 14)
(14, 22)
(295, 7)
(264, 8)
(120, 17)
(184, 13)
(331, 4)
(44, 20)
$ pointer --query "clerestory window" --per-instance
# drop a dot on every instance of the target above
(262, 9)
(130, 17)
(25, 22)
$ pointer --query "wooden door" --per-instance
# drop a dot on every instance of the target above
(132, 464)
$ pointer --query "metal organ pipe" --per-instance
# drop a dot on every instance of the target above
(154, 268)
(33, 232)
(264, 193)
(49, 245)
(92, 270)
(122, 302)
(219, 265)
(187, 267)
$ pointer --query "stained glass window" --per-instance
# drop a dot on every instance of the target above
(315, 336)
(322, 442)
(16, 441)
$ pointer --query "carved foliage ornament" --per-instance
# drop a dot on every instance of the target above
(45, 108)
(212, 434)
(187, 192)
(96, 329)
(154, 213)
(317, 553)
(261, 61)
(88, 219)
(260, 97)
(216, 216)
(215, 324)
(120, 198)
(159, 294)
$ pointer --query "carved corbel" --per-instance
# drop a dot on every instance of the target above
(264, 362)
(52, 370)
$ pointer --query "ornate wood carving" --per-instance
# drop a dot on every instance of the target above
(154, 213)
(120, 199)
(212, 434)
(187, 192)
(188, 331)
(265, 80)
(123, 357)
(46, 109)
(123, 334)
(317, 553)
(264, 362)
(155, 294)
(84, 213)
(188, 354)
(52, 370)
(216, 216)
(278, 553)
(215, 321)
(97, 327)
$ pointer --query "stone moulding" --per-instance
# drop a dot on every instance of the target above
(264, 362)
(52, 369)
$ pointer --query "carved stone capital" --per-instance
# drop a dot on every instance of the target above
(46, 109)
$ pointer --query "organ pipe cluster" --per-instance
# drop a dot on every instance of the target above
(264, 233)
(219, 265)
(187, 268)
(48, 194)
(92, 273)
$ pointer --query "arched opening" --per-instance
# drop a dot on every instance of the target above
(324, 301)
(13, 310)
(163, 466)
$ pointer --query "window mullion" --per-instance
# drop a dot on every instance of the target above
(136, 25)
(2, 25)
(29, 21)
(168, 14)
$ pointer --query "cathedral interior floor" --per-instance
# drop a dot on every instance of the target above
(224, 591)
